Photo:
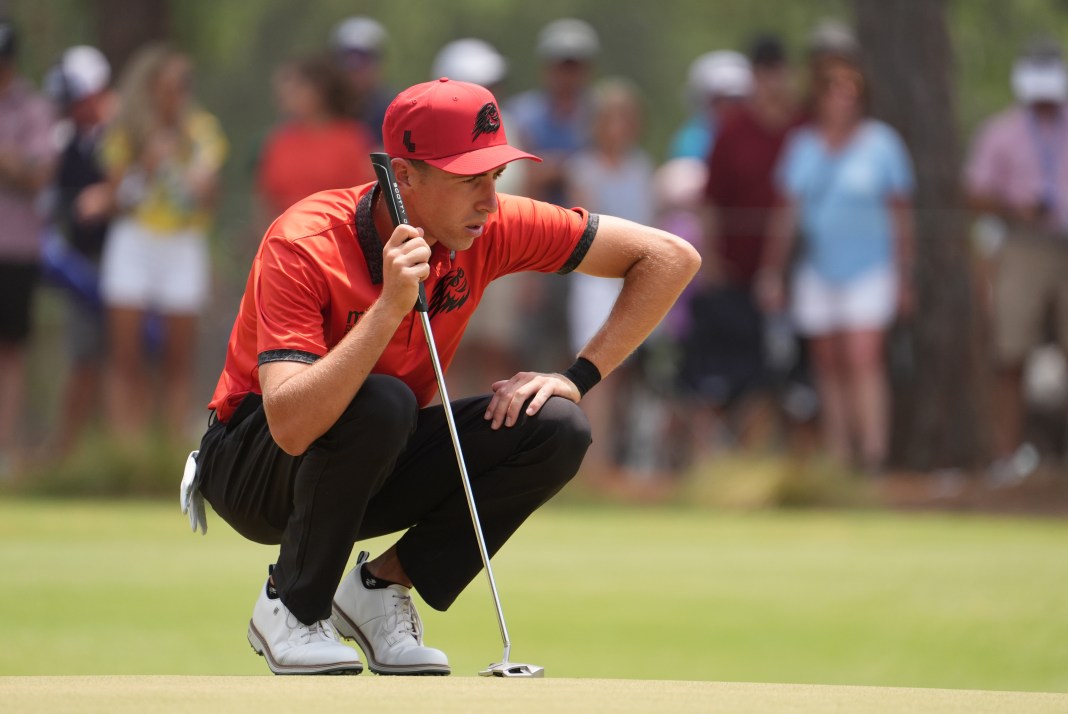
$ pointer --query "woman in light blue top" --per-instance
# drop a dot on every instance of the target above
(846, 182)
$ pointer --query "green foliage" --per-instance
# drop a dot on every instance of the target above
(746, 481)
(100, 466)
(987, 36)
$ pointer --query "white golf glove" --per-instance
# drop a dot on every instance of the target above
(190, 498)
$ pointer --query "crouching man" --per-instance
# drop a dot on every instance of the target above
(320, 434)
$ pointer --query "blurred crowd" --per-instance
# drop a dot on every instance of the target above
(799, 201)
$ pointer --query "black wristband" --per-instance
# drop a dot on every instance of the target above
(583, 374)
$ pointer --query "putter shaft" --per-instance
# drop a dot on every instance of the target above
(395, 204)
(444, 392)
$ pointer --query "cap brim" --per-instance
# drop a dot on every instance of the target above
(480, 161)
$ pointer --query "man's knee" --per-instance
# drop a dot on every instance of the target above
(566, 428)
(384, 410)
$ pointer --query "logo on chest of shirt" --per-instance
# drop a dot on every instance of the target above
(450, 293)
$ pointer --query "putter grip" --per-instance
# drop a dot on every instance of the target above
(391, 194)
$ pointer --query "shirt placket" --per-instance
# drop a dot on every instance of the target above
(440, 264)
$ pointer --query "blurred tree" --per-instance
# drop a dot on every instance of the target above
(909, 55)
(124, 25)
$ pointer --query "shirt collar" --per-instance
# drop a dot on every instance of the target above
(367, 236)
(371, 242)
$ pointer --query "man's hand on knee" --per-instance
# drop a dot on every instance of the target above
(510, 395)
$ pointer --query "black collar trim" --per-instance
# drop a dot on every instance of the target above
(367, 236)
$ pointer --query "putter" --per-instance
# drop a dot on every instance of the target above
(388, 184)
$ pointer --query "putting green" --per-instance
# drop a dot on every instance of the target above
(171, 695)
(868, 599)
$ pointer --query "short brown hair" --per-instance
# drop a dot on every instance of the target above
(834, 70)
(328, 81)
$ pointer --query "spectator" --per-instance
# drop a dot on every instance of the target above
(553, 122)
(679, 196)
(724, 363)
(830, 39)
(27, 160)
(717, 81)
(358, 44)
(162, 156)
(318, 146)
(1018, 173)
(491, 344)
(473, 60)
(846, 181)
(80, 86)
(470, 57)
(614, 176)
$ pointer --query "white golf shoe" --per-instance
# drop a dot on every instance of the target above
(386, 626)
(291, 647)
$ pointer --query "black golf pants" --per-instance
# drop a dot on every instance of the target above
(387, 466)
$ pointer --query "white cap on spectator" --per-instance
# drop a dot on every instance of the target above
(724, 73)
(359, 34)
(1039, 75)
(833, 37)
(568, 39)
(470, 60)
(81, 72)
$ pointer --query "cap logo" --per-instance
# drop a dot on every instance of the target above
(408, 142)
(488, 121)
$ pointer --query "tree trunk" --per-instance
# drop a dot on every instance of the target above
(940, 408)
(123, 26)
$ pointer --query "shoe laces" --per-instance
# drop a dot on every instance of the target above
(320, 631)
(405, 618)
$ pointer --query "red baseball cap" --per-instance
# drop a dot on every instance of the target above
(453, 126)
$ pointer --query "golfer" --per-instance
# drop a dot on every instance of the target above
(321, 434)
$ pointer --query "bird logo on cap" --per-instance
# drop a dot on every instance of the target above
(488, 121)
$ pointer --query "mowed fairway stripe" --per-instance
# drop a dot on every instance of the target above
(172, 695)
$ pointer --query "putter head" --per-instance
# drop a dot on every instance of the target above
(512, 669)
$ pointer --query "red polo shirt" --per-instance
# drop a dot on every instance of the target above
(299, 160)
(319, 269)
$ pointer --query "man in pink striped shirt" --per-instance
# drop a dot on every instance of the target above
(27, 159)
(1018, 173)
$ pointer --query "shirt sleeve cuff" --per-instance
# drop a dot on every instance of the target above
(583, 245)
(287, 356)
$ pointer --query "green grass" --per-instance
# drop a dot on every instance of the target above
(97, 587)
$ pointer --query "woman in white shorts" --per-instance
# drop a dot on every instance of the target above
(162, 156)
(865, 303)
(846, 182)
